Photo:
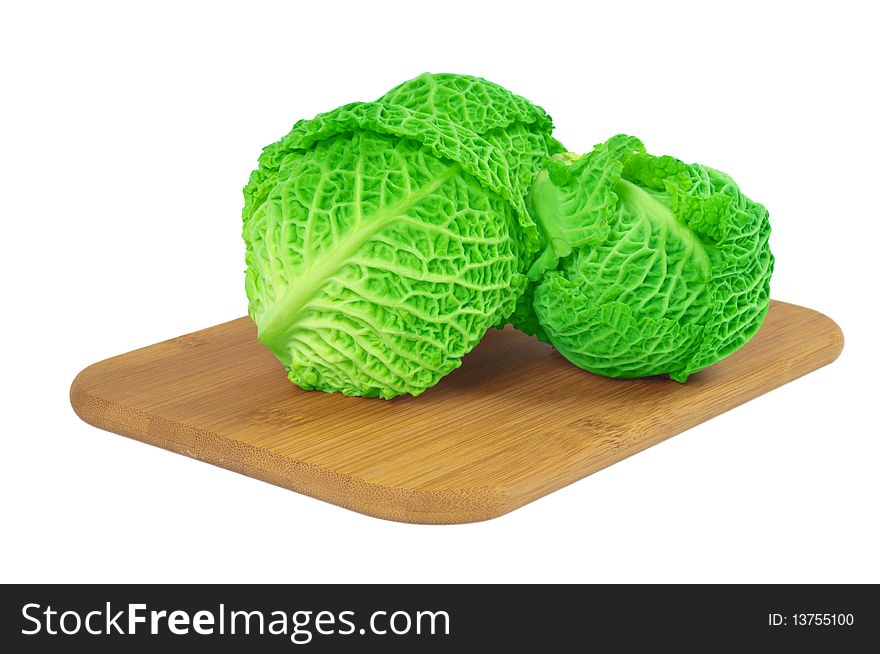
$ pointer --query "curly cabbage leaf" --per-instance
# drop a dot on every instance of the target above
(383, 239)
(651, 266)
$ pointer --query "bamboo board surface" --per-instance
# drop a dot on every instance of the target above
(515, 422)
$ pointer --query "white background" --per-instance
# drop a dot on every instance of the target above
(127, 134)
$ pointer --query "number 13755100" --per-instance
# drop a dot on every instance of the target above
(810, 620)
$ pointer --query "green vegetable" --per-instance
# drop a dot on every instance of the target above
(651, 266)
(383, 239)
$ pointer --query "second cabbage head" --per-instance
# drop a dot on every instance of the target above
(653, 266)
(383, 239)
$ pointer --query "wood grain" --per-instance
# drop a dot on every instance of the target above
(515, 422)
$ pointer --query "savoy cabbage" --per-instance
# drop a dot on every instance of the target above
(384, 238)
(653, 266)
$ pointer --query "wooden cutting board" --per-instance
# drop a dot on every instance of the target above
(515, 422)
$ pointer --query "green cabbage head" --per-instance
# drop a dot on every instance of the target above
(650, 266)
(384, 238)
